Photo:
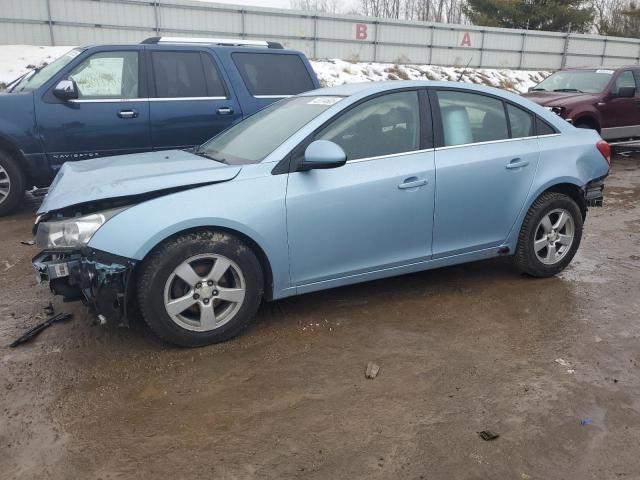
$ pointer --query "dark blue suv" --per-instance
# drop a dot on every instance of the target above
(165, 93)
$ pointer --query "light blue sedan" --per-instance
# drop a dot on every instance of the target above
(324, 189)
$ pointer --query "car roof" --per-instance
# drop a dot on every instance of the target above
(603, 67)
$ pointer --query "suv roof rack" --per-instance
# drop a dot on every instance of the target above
(227, 42)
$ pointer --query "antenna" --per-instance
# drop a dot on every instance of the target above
(465, 68)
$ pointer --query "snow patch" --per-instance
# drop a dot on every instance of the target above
(16, 60)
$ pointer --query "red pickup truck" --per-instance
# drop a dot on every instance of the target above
(606, 99)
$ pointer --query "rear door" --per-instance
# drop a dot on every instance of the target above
(110, 116)
(486, 158)
(191, 101)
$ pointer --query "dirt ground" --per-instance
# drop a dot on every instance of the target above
(461, 350)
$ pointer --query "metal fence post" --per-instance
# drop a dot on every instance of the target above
(604, 50)
(156, 14)
(565, 50)
(433, 28)
(53, 42)
(315, 37)
(243, 32)
(522, 46)
(481, 63)
(375, 41)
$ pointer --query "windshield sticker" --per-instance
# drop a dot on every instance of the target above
(608, 72)
(324, 101)
(73, 53)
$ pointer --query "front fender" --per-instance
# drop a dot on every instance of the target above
(232, 205)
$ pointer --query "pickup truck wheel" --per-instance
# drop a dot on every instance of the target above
(550, 235)
(200, 288)
(11, 184)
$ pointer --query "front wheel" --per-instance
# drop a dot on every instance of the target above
(550, 235)
(200, 288)
(11, 184)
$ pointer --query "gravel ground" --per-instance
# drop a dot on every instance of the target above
(462, 349)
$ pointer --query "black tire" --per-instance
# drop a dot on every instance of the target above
(12, 172)
(525, 258)
(157, 270)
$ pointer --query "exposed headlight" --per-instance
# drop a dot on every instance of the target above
(72, 232)
(557, 110)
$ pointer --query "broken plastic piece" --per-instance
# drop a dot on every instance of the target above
(487, 435)
(31, 333)
(372, 370)
(586, 421)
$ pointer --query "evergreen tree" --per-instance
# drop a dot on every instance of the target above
(550, 15)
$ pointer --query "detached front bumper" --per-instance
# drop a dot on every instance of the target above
(98, 278)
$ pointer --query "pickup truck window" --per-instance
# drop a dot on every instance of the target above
(106, 75)
(179, 74)
(273, 74)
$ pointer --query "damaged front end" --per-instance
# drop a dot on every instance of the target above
(75, 271)
(101, 280)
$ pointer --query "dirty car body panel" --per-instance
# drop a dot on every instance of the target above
(321, 228)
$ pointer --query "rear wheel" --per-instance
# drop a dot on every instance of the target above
(12, 183)
(550, 235)
(200, 288)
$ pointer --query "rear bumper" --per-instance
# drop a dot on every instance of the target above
(98, 278)
(594, 192)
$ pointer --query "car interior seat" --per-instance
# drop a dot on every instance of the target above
(456, 125)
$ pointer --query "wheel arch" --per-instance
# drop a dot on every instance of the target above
(587, 119)
(255, 247)
(10, 147)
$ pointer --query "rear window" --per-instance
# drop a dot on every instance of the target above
(273, 74)
(543, 128)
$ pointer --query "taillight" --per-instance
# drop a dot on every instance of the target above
(605, 149)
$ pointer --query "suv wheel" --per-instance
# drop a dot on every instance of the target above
(11, 184)
(200, 288)
(550, 235)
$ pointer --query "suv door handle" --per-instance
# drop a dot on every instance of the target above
(412, 182)
(517, 163)
(224, 111)
(127, 113)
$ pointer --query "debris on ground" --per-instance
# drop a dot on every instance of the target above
(488, 435)
(49, 310)
(28, 242)
(586, 421)
(372, 370)
(33, 332)
(564, 363)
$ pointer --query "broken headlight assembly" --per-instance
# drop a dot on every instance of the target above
(74, 232)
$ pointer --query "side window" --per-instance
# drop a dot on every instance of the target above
(521, 122)
(625, 79)
(273, 74)
(178, 74)
(107, 75)
(470, 118)
(215, 84)
(543, 128)
(382, 126)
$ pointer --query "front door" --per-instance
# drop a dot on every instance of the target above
(376, 211)
(621, 115)
(485, 169)
(108, 118)
(191, 102)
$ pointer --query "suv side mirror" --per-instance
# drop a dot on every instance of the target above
(66, 90)
(323, 154)
(624, 92)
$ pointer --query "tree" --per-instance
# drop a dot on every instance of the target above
(550, 15)
(618, 18)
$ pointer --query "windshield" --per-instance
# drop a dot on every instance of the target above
(580, 81)
(38, 76)
(251, 140)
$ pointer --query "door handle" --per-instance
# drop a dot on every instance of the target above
(412, 182)
(224, 111)
(127, 113)
(517, 163)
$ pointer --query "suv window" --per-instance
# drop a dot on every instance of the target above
(106, 75)
(382, 126)
(470, 118)
(178, 74)
(215, 84)
(273, 74)
(521, 122)
(625, 79)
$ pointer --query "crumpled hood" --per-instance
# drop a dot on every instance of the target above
(130, 175)
(560, 99)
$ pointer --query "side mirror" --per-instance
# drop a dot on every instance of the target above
(66, 90)
(323, 154)
(624, 92)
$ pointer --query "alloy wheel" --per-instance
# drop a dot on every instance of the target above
(5, 184)
(554, 236)
(204, 292)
